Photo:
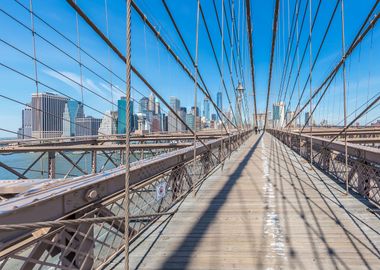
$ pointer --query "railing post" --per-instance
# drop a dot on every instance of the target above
(51, 164)
(93, 161)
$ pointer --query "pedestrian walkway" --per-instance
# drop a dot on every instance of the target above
(267, 209)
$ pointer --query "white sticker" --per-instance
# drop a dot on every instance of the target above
(160, 191)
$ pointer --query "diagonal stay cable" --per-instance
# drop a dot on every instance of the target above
(361, 34)
(135, 71)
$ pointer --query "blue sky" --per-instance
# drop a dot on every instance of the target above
(61, 72)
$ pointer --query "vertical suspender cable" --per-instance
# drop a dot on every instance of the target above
(344, 99)
(249, 30)
(195, 85)
(298, 84)
(79, 55)
(275, 19)
(311, 89)
(38, 124)
(127, 130)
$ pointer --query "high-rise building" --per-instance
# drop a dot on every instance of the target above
(289, 116)
(73, 110)
(151, 103)
(174, 124)
(87, 126)
(47, 115)
(26, 126)
(164, 122)
(206, 109)
(307, 121)
(190, 120)
(182, 114)
(121, 119)
(143, 105)
(135, 122)
(219, 101)
(156, 123)
(157, 109)
(192, 111)
(278, 115)
(213, 117)
(108, 123)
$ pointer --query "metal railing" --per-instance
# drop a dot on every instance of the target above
(95, 235)
(363, 162)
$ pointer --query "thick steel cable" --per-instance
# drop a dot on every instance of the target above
(66, 54)
(176, 58)
(208, 95)
(217, 63)
(250, 33)
(134, 70)
(127, 133)
(289, 48)
(71, 42)
(296, 81)
(50, 87)
(274, 32)
(316, 57)
(220, 32)
(344, 99)
(357, 40)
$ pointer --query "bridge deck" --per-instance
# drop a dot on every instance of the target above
(266, 209)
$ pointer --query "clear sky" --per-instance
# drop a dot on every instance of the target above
(58, 71)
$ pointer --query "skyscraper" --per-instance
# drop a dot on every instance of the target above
(121, 119)
(157, 109)
(190, 120)
(73, 110)
(143, 105)
(87, 126)
(307, 115)
(219, 101)
(206, 109)
(164, 122)
(47, 115)
(192, 111)
(26, 127)
(108, 123)
(151, 103)
(174, 124)
(278, 114)
(182, 114)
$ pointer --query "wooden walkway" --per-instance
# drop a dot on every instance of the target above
(267, 209)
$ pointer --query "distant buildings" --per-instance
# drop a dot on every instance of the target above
(174, 124)
(190, 120)
(206, 109)
(87, 126)
(307, 114)
(108, 123)
(278, 115)
(25, 132)
(73, 110)
(47, 115)
(51, 115)
(219, 101)
(143, 105)
(121, 116)
(375, 124)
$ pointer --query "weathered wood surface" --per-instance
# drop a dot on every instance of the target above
(267, 209)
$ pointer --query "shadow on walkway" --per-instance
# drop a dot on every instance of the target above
(188, 245)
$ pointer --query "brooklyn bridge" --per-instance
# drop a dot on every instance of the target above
(162, 134)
